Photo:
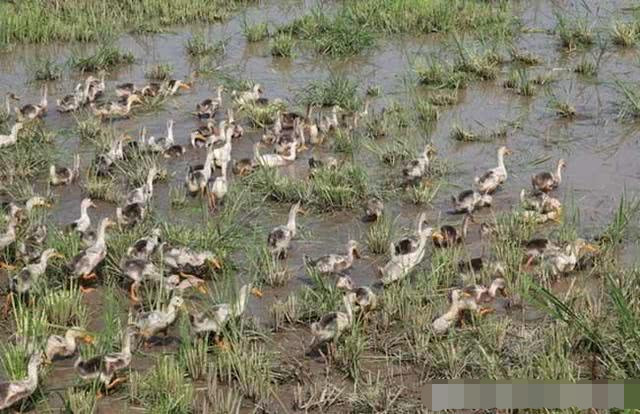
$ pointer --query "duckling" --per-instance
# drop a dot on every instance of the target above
(311, 128)
(328, 123)
(238, 131)
(143, 194)
(483, 295)
(65, 346)
(207, 135)
(145, 246)
(409, 244)
(470, 200)
(131, 214)
(546, 181)
(64, 175)
(373, 210)
(335, 263)
(106, 367)
(218, 188)
(97, 86)
(176, 283)
(23, 281)
(70, 103)
(489, 182)
(172, 86)
(33, 111)
(274, 160)
(250, 96)
(209, 107)
(280, 237)
(30, 247)
(243, 167)
(222, 153)
(150, 323)
(286, 139)
(162, 144)
(331, 326)
(105, 161)
(12, 392)
(115, 109)
(324, 162)
(362, 298)
(563, 262)
(535, 248)
(448, 235)
(198, 176)
(542, 203)
(214, 319)
(186, 260)
(12, 138)
(124, 90)
(84, 263)
(417, 168)
(460, 301)
(138, 270)
(542, 218)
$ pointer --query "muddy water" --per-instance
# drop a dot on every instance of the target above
(602, 152)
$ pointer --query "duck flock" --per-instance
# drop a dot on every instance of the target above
(181, 267)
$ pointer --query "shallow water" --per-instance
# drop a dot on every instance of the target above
(602, 151)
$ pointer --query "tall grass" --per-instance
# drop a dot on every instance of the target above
(163, 389)
(40, 21)
(104, 58)
(46, 70)
(334, 90)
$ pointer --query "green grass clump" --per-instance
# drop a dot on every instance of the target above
(255, 32)
(64, 307)
(524, 57)
(160, 72)
(483, 66)
(46, 70)
(261, 115)
(586, 68)
(379, 235)
(562, 108)
(519, 82)
(80, 401)
(29, 156)
(334, 90)
(90, 128)
(14, 360)
(574, 34)
(163, 389)
(630, 105)
(282, 45)
(38, 21)
(198, 45)
(104, 58)
(440, 75)
(625, 34)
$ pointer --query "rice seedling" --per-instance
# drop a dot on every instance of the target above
(104, 58)
(108, 338)
(14, 360)
(282, 45)
(340, 188)
(345, 142)
(177, 197)
(586, 67)
(394, 152)
(194, 355)
(519, 82)
(29, 156)
(64, 307)
(574, 33)
(270, 184)
(101, 188)
(266, 269)
(90, 128)
(334, 90)
(284, 312)
(630, 105)
(379, 235)
(46, 70)
(217, 401)
(423, 193)
(350, 351)
(545, 78)
(261, 115)
(374, 90)
(255, 32)
(463, 135)
(524, 57)
(198, 46)
(443, 98)
(625, 34)
(80, 401)
(562, 108)
(31, 326)
(316, 396)
(427, 111)
(163, 389)
(483, 66)
(250, 366)
(160, 72)
(440, 76)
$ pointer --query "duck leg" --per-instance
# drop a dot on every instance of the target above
(86, 290)
(133, 293)
(90, 276)
(115, 382)
(8, 304)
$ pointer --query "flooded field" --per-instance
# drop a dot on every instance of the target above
(547, 80)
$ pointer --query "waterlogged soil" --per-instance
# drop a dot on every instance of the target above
(601, 151)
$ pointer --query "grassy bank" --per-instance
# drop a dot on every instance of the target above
(41, 21)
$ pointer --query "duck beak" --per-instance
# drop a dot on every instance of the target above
(484, 310)
(302, 211)
(437, 236)
(591, 248)
(185, 86)
(88, 339)
(215, 263)
(256, 292)
(203, 289)
(467, 295)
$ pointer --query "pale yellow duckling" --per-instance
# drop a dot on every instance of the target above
(492, 179)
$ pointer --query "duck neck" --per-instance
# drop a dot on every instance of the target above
(70, 339)
(465, 226)
(291, 223)
(7, 104)
(452, 313)
(101, 233)
(84, 214)
(170, 133)
(150, 178)
(43, 102)
(126, 344)
(219, 97)
(501, 161)
(559, 172)
(32, 370)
